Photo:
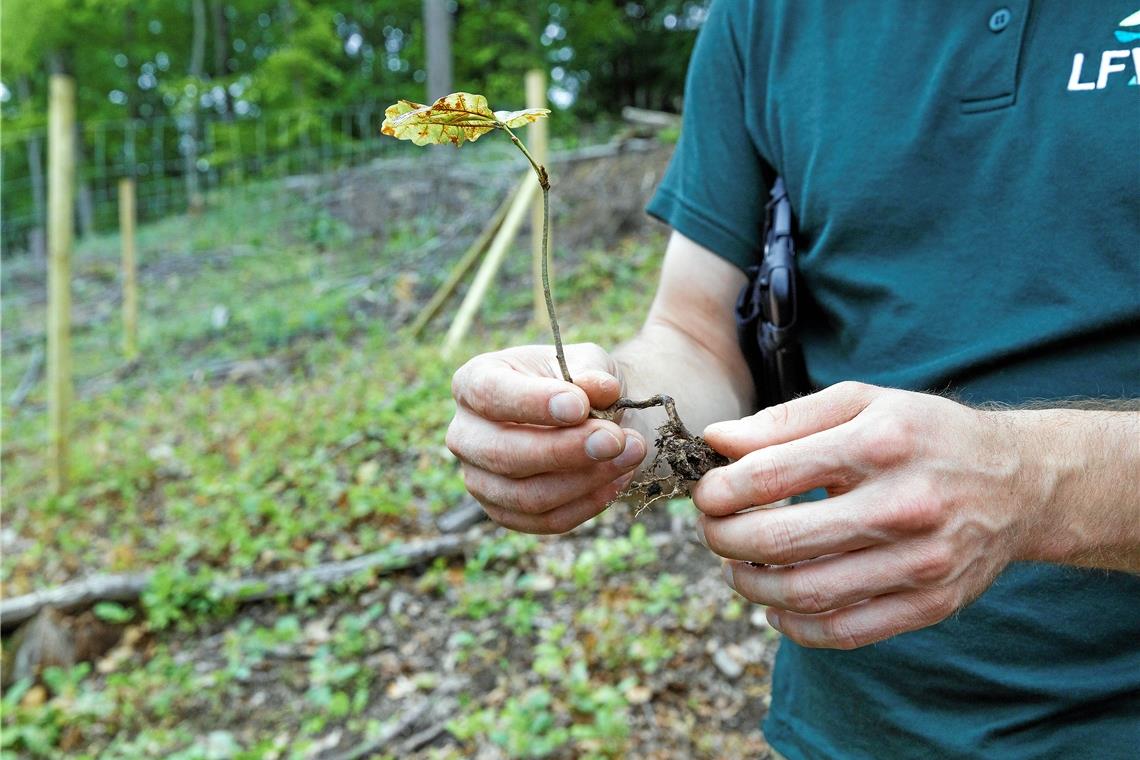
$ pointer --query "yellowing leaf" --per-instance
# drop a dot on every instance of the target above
(521, 118)
(453, 118)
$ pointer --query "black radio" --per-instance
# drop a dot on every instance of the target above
(766, 310)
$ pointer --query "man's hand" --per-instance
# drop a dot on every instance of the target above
(530, 453)
(928, 501)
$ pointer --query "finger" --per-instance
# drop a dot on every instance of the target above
(792, 420)
(826, 583)
(873, 620)
(784, 535)
(519, 451)
(602, 388)
(779, 472)
(564, 518)
(543, 493)
(495, 391)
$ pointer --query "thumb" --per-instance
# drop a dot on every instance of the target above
(791, 420)
(602, 388)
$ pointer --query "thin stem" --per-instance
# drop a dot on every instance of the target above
(558, 350)
(544, 183)
(539, 169)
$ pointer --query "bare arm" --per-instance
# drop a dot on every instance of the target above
(687, 348)
(1083, 468)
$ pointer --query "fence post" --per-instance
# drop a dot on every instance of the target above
(494, 257)
(537, 141)
(127, 218)
(61, 236)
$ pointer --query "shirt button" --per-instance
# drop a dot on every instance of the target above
(1000, 19)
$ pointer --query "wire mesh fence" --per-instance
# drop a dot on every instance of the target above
(175, 161)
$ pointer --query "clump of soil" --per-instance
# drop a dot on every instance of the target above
(681, 460)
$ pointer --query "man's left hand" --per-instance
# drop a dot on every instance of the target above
(927, 502)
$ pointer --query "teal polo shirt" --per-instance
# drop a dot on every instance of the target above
(966, 178)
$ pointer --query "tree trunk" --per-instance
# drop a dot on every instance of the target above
(36, 170)
(288, 17)
(222, 52)
(189, 123)
(130, 21)
(437, 41)
(84, 200)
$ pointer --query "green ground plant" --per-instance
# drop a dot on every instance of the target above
(335, 450)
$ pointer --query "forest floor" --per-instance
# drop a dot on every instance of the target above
(280, 418)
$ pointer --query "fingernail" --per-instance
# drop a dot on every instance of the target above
(726, 571)
(701, 534)
(602, 444)
(633, 453)
(567, 407)
(774, 619)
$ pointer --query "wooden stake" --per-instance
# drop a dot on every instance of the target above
(441, 296)
(130, 279)
(490, 265)
(537, 142)
(61, 236)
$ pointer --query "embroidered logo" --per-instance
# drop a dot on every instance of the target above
(1111, 61)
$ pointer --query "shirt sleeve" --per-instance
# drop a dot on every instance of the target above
(714, 190)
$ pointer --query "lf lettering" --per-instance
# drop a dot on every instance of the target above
(1108, 67)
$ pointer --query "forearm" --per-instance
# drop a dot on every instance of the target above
(707, 387)
(1082, 467)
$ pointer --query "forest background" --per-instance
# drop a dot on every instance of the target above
(267, 468)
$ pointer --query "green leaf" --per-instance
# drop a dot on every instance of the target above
(113, 613)
(453, 118)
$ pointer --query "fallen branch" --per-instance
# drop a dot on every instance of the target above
(130, 587)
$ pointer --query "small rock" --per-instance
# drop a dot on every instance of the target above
(541, 583)
(727, 665)
(366, 473)
(753, 650)
(220, 745)
(639, 694)
(400, 688)
(398, 601)
(758, 618)
(318, 631)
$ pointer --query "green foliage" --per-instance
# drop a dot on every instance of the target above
(113, 613)
(335, 451)
(176, 594)
(609, 556)
(525, 727)
(281, 77)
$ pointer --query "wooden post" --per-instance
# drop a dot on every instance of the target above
(61, 236)
(130, 279)
(467, 261)
(537, 138)
(526, 195)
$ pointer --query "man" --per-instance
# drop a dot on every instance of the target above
(965, 181)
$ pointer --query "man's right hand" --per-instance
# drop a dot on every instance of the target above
(531, 455)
